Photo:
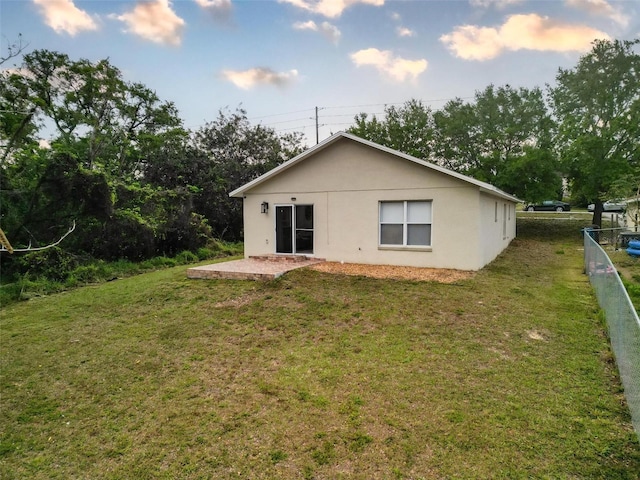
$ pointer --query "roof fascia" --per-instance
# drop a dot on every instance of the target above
(239, 192)
(484, 187)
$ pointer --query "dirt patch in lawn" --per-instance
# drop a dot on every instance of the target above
(442, 275)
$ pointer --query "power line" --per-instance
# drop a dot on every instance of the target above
(428, 100)
(351, 114)
(366, 105)
(342, 107)
(329, 115)
(287, 121)
(295, 128)
(280, 114)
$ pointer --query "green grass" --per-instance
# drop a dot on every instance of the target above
(506, 375)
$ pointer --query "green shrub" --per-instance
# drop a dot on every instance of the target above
(124, 267)
(54, 270)
(205, 253)
(159, 262)
(186, 257)
(26, 288)
(53, 264)
(230, 248)
(10, 293)
(91, 273)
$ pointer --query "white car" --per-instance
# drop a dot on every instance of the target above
(610, 206)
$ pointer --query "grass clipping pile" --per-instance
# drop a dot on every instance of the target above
(442, 275)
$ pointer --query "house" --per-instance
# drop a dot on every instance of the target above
(631, 217)
(352, 200)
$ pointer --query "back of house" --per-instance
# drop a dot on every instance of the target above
(351, 200)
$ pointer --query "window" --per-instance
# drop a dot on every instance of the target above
(504, 221)
(406, 223)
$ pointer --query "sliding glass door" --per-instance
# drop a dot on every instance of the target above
(294, 229)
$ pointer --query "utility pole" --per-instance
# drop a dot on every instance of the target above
(317, 139)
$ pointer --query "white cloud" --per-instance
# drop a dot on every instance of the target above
(405, 32)
(474, 43)
(247, 79)
(329, 8)
(499, 4)
(601, 8)
(325, 28)
(64, 17)
(520, 32)
(220, 9)
(310, 25)
(397, 68)
(154, 21)
(401, 30)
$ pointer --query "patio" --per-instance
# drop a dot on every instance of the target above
(265, 267)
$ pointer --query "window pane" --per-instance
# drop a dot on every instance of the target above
(284, 230)
(304, 241)
(390, 234)
(419, 212)
(419, 235)
(392, 212)
(304, 216)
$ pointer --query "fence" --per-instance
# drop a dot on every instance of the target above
(622, 319)
(617, 237)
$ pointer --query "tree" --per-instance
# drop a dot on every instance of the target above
(597, 104)
(408, 129)
(104, 120)
(457, 135)
(222, 156)
(103, 131)
(503, 138)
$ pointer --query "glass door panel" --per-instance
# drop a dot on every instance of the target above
(284, 229)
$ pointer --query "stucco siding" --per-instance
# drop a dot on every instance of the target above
(348, 166)
(497, 226)
(346, 227)
(345, 185)
(346, 181)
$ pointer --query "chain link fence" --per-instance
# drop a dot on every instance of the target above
(616, 238)
(621, 316)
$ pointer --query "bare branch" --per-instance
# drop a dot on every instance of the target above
(6, 246)
(14, 49)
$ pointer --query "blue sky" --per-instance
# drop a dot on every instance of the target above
(279, 59)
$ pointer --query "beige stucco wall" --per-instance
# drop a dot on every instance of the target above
(498, 225)
(345, 183)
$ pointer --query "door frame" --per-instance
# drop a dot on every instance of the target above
(292, 209)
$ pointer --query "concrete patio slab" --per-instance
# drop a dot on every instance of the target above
(254, 268)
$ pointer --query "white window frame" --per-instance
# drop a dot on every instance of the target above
(405, 224)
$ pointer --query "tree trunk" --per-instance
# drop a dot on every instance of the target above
(597, 213)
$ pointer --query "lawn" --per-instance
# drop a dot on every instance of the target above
(505, 375)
